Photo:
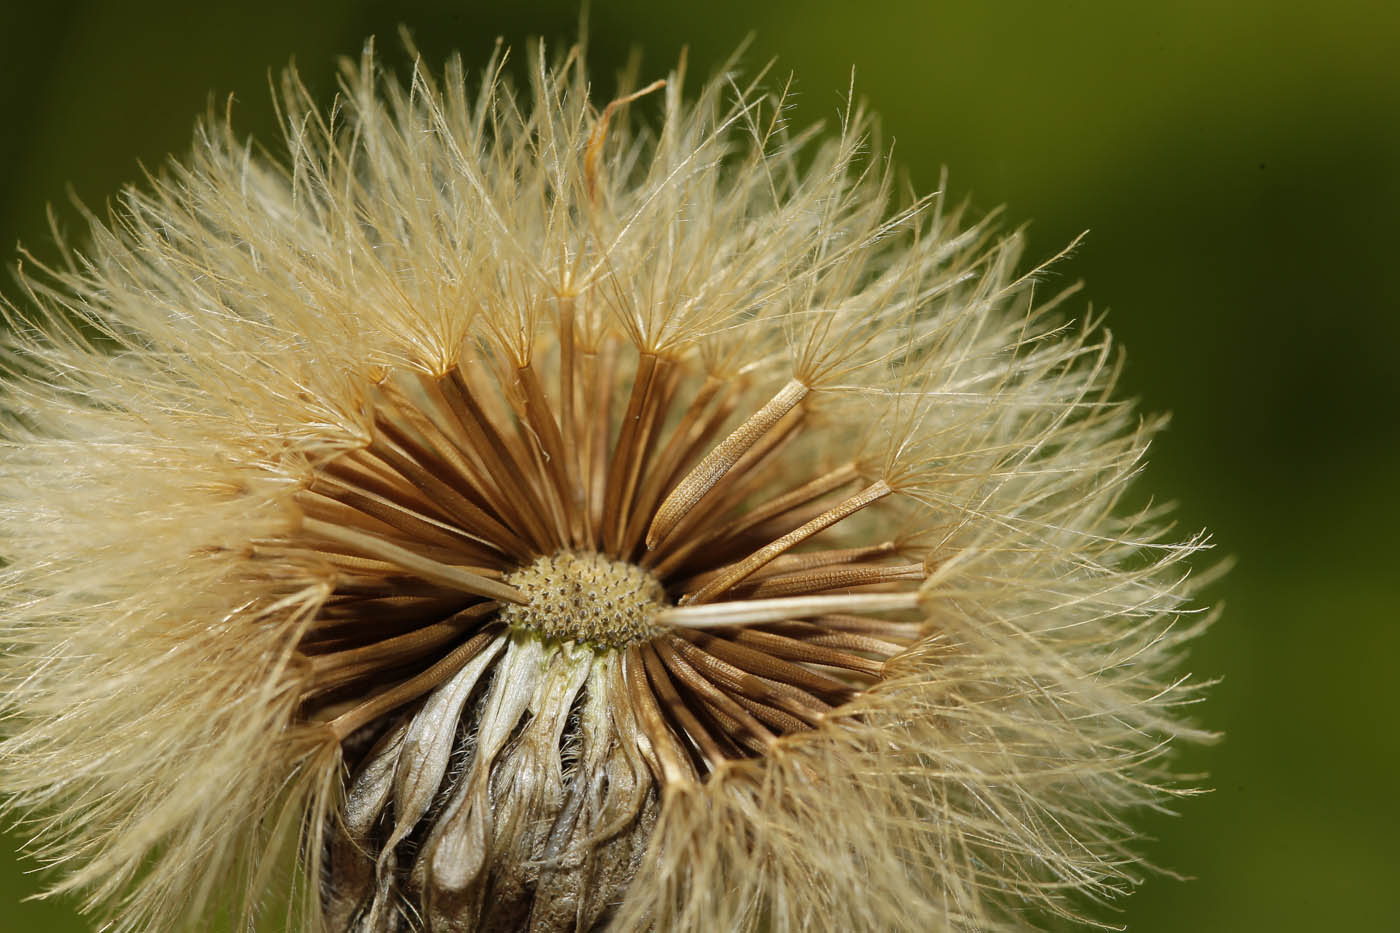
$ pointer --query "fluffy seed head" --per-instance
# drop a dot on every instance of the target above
(509, 512)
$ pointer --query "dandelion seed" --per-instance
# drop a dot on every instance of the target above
(523, 516)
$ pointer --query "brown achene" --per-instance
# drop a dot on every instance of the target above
(467, 483)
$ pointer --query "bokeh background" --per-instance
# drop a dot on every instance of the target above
(1237, 167)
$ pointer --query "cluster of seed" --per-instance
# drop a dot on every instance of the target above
(587, 598)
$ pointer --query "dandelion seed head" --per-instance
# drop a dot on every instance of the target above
(517, 510)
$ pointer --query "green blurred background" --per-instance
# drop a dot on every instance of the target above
(1238, 168)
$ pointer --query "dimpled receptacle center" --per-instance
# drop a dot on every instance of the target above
(586, 598)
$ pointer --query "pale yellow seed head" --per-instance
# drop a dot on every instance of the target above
(519, 511)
